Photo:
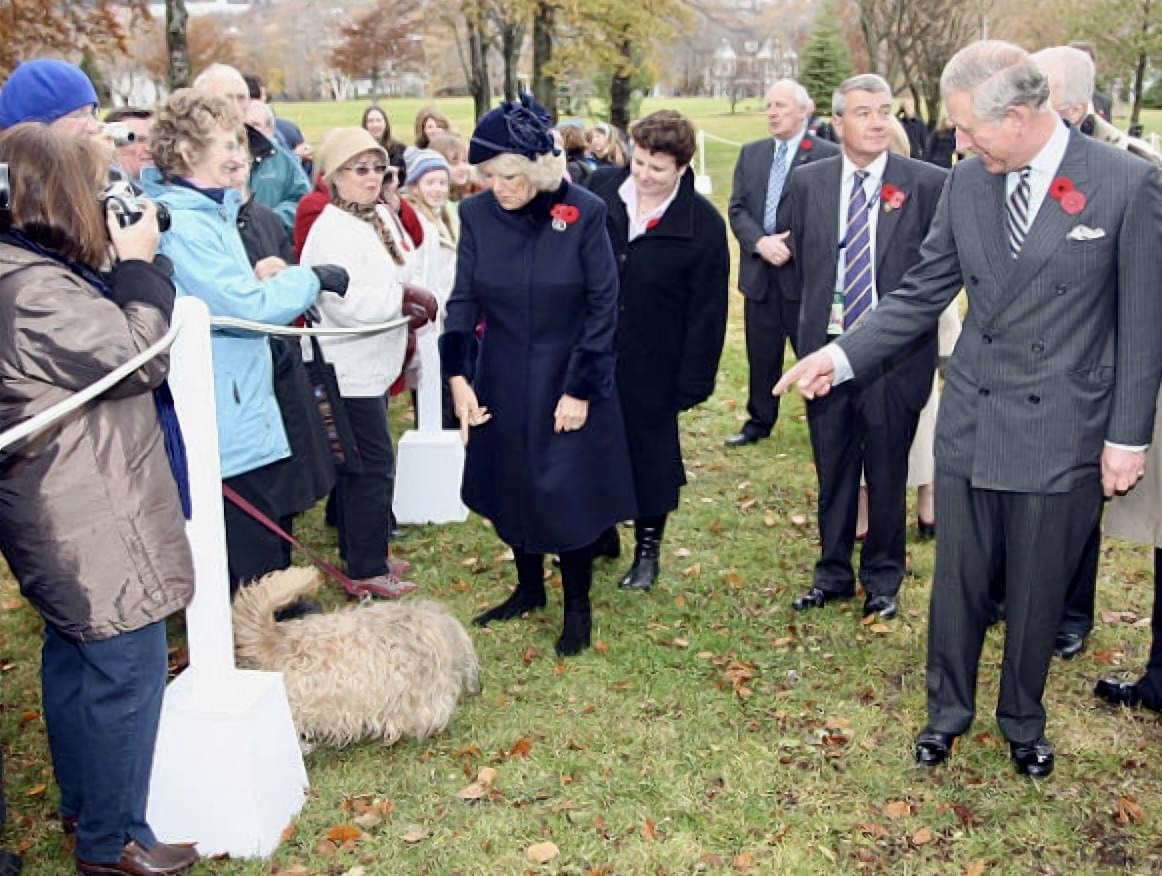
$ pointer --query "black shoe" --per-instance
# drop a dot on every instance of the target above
(926, 530)
(885, 606)
(743, 438)
(646, 554)
(575, 634)
(816, 598)
(298, 608)
(1120, 693)
(575, 582)
(522, 600)
(1032, 759)
(1068, 645)
(608, 544)
(932, 747)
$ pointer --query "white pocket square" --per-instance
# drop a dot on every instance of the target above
(1084, 232)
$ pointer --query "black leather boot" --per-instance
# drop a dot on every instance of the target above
(646, 555)
(608, 544)
(576, 576)
(529, 594)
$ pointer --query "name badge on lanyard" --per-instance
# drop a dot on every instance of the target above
(835, 320)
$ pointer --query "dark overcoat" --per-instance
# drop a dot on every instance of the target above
(548, 300)
(671, 326)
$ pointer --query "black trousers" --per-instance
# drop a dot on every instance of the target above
(252, 550)
(1034, 541)
(769, 324)
(858, 429)
(1150, 685)
(1082, 592)
(363, 489)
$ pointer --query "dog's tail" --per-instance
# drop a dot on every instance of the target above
(255, 630)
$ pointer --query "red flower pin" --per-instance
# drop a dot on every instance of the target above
(892, 197)
(653, 223)
(564, 215)
(1071, 200)
(806, 145)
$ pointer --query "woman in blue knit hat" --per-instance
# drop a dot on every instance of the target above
(52, 92)
(547, 461)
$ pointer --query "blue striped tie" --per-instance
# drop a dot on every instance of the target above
(857, 256)
(775, 187)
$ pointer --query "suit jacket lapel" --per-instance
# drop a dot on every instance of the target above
(990, 220)
(826, 211)
(889, 220)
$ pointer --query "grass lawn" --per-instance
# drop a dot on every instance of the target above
(711, 729)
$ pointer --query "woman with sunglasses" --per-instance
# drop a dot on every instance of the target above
(356, 231)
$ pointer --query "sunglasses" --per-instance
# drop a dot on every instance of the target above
(364, 169)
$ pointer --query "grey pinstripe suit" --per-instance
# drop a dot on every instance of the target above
(1061, 352)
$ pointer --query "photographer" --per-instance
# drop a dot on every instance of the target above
(198, 147)
(91, 508)
(132, 156)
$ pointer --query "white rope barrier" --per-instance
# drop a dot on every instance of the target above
(718, 139)
(82, 397)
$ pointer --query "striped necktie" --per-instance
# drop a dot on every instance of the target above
(775, 187)
(1017, 213)
(857, 255)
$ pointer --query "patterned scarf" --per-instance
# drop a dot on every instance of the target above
(369, 214)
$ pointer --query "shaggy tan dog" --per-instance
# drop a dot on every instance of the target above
(377, 670)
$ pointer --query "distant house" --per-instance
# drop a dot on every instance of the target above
(747, 68)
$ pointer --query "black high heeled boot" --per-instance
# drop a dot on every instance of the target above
(529, 594)
(576, 577)
(608, 544)
(646, 555)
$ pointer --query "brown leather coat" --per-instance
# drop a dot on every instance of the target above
(90, 521)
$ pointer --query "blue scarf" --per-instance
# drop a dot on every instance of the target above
(175, 445)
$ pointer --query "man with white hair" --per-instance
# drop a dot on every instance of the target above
(276, 177)
(771, 314)
(1049, 396)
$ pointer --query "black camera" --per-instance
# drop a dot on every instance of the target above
(119, 196)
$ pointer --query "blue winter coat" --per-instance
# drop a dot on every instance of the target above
(549, 303)
(210, 263)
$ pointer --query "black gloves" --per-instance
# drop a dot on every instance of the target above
(332, 278)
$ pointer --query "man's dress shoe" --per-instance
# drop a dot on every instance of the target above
(162, 860)
(1121, 693)
(1068, 645)
(744, 438)
(885, 606)
(1032, 759)
(932, 747)
(816, 598)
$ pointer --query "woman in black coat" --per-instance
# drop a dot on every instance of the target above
(547, 461)
(672, 253)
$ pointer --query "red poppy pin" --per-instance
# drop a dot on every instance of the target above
(653, 223)
(564, 215)
(805, 145)
(1071, 200)
(892, 197)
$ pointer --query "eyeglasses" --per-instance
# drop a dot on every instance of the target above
(364, 169)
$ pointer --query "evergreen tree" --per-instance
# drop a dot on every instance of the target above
(824, 62)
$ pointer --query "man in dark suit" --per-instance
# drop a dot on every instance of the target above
(1050, 391)
(856, 222)
(770, 315)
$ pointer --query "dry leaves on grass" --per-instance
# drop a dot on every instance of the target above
(1127, 811)
(975, 868)
(482, 788)
(898, 809)
(649, 831)
(414, 834)
(542, 853)
(922, 837)
(521, 747)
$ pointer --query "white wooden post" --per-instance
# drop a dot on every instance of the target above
(228, 773)
(702, 183)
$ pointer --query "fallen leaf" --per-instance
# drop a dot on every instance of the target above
(521, 747)
(1127, 811)
(715, 527)
(542, 853)
(732, 579)
(744, 485)
(475, 791)
(922, 837)
(414, 834)
(600, 647)
(487, 776)
(471, 561)
(976, 868)
(797, 519)
(12, 603)
(681, 643)
(692, 571)
(368, 820)
(288, 832)
(898, 809)
(649, 830)
(679, 601)
(880, 629)
(357, 870)
(30, 715)
(344, 833)
(871, 828)
(828, 854)
(37, 790)
(326, 847)
(295, 870)
(682, 553)
(743, 862)
(769, 520)
(530, 654)
(705, 655)
(747, 504)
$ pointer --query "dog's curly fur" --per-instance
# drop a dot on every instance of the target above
(377, 670)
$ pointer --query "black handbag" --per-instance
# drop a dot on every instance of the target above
(325, 388)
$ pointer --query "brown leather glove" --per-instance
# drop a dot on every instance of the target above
(419, 306)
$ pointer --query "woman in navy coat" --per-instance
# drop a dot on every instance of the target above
(671, 250)
(547, 460)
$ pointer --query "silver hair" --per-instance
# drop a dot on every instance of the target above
(1071, 69)
(998, 75)
(545, 173)
(798, 92)
(265, 109)
(214, 72)
(864, 82)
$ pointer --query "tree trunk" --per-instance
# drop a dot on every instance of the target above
(619, 89)
(544, 85)
(1139, 85)
(511, 38)
(176, 43)
(479, 82)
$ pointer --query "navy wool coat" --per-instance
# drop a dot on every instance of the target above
(548, 299)
(671, 326)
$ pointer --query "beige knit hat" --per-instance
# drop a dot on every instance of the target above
(343, 144)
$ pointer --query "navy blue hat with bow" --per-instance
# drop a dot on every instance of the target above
(519, 126)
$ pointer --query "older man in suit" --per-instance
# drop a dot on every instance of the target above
(1049, 396)
(770, 314)
(856, 222)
